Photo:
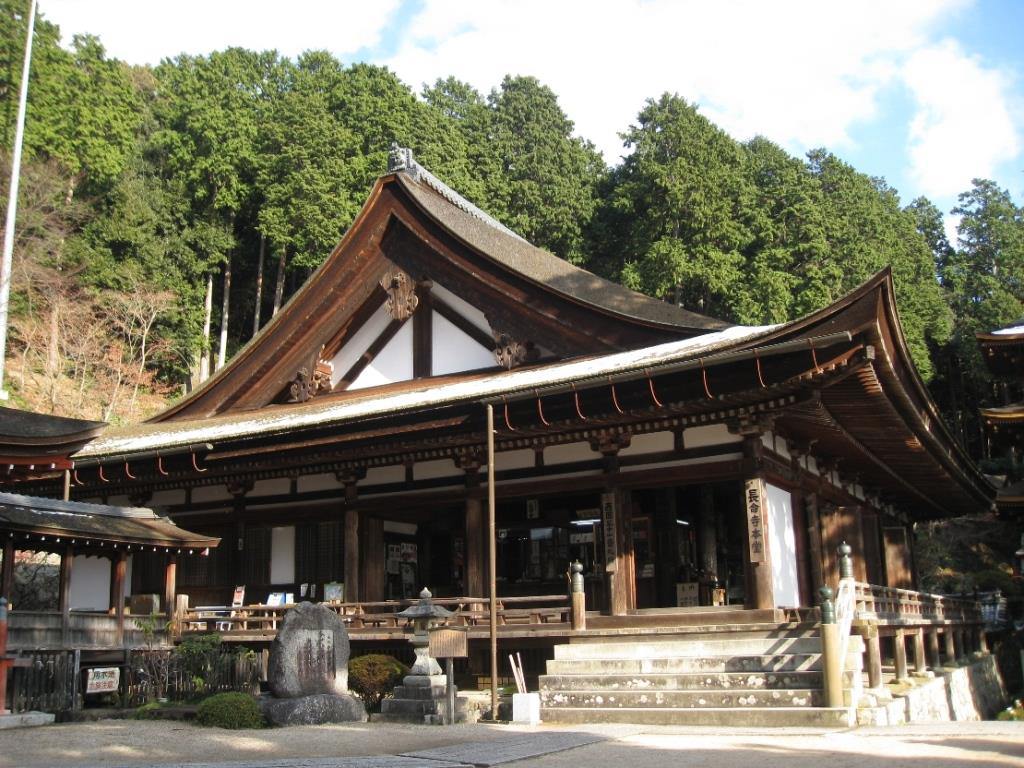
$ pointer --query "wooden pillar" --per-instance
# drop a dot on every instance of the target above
(874, 646)
(803, 571)
(351, 554)
(900, 655)
(758, 553)
(119, 568)
(982, 642)
(475, 550)
(352, 564)
(373, 559)
(66, 560)
(170, 584)
(961, 645)
(920, 661)
(934, 657)
(615, 525)
(707, 530)
(814, 553)
(7, 571)
(950, 646)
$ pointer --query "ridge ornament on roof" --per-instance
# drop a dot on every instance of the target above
(401, 160)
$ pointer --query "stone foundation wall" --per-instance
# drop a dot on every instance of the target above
(972, 692)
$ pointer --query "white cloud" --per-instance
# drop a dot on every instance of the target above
(145, 31)
(802, 74)
(963, 126)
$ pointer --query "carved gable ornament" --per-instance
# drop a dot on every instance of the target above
(511, 352)
(303, 386)
(401, 289)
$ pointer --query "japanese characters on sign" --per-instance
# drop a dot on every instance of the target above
(608, 519)
(753, 503)
(102, 680)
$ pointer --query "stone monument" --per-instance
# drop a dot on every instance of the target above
(308, 671)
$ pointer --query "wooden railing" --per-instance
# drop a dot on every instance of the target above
(905, 607)
(261, 619)
(85, 629)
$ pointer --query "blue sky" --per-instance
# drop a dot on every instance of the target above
(926, 94)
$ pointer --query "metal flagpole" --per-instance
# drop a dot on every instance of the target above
(493, 564)
(12, 199)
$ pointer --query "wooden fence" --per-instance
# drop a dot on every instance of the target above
(187, 680)
(47, 683)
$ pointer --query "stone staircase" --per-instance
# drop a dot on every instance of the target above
(738, 674)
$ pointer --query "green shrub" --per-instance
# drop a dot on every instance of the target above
(373, 677)
(1014, 712)
(230, 710)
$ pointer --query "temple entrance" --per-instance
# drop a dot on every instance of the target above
(537, 538)
(688, 546)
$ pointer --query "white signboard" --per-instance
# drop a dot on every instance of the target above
(103, 680)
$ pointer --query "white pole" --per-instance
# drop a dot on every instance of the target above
(12, 200)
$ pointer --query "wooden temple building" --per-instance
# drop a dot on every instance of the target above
(687, 464)
(1003, 420)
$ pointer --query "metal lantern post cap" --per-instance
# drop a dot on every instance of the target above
(845, 562)
(828, 608)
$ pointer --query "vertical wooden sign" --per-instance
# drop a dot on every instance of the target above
(609, 521)
(753, 498)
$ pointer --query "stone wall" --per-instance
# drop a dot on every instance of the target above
(971, 692)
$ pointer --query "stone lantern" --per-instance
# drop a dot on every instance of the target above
(424, 615)
(421, 696)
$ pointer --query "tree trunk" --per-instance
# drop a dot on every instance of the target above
(204, 360)
(225, 306)
(259, 287)
(279, 288)
(53, 352)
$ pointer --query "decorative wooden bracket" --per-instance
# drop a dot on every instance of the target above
(511, 353)
(401, 289)
(303, 386)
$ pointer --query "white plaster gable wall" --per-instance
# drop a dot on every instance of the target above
(168, 497)
(271, 486)
(782, 546)
(453, 351)
(347, 355)
(393, 363)
(210, 493)
(464, 308)
(520, 459)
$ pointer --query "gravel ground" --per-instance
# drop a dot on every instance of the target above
(112, 743)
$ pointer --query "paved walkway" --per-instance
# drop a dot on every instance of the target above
(125, 744)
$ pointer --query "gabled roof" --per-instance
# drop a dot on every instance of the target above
(33, 445)
(35, 516)
(415, 224)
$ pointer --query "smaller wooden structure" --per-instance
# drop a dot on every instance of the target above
(1003, 420)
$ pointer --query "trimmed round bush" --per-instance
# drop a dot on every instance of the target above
(373, 677)
(230, 710)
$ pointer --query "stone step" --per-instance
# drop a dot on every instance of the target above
(653, 649)
(681, 617)
(682, 682)
(418, 692)
(742, 699)
(707, 632)
(745, 717)
(791, 662)
(408, 707)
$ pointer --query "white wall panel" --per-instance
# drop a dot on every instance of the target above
(563, 454)
(782, 547)
(649, 443)
(709, 434)
(358, 344)
(282, 555)
(90, 583)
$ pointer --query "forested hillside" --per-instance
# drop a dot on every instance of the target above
(166, 213)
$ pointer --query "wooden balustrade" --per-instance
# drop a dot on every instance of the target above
(894, 607)
(262, 619)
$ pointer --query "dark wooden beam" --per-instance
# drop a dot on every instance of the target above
(422, 336)
(7, 572)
